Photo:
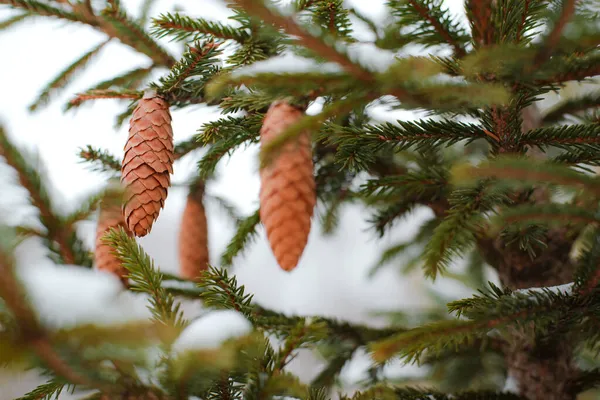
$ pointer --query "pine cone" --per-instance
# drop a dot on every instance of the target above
(147, 163)
(110, 217)
(287, 192)
(193, 235)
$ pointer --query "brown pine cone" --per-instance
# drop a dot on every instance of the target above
(287, 192)
(147, 163)
(110, 217)
(193, 235)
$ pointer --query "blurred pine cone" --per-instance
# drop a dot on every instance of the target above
(193, 235)
(287, 193)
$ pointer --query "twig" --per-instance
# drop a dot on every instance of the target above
(31, 331)
(554, 36)
(424, 12)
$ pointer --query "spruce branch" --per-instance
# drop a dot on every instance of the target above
(221, 291)
(464, 221)
(145, 11)
(39, 8)
(187, 146)
(526, 172)
(127, 80)
(587, 275)
(545, 214)
(49, 390)
(62, 238)
(357, 147)
(246, 232)
(571, 106)
(9, 22)
(132, 34)
(315, 43)
(147, 279)
(65, 77)
(100, 160)
(236, 136)
(432, 25)
(583, 137)
(490, 310)
(567, 11)
(104, 94)
(30, 330)
(185, 28)
(198, 60)
(479, 13)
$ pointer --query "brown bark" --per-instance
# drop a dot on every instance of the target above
(541, 372)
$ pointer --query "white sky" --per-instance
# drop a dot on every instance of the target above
(331, 277)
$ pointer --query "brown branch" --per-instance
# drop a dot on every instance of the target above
(481, 10)
(308, 40)
(30, 329)
(424, 12)
(554, 36)
(523, 20)
(103, 94)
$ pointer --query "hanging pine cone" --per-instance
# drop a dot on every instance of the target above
(147, 163)
(287, 192)
(110, 217)
(193, 235)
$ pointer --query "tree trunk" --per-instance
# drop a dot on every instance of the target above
(542, 371)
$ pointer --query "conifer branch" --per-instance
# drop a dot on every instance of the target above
(48, 391)
(487, 311)
(587, 275)
(7, 23)
(62, 238)
(568, 137)
(246, 232)
(65, 76)
(103, 94)
(568, 9)
(100, 160)
(479, 13)
(235, 138)
(145, 11)
(312, 42)
(184, 27)
(463, 222)
(197, 60)
(128, 80)
(521, 171)
(29, 327)
(573, 68)
(571, 106)
(43, 9)
(187, 146)
(432, 24)
(547, 214)
(133, 35)
(147, 278)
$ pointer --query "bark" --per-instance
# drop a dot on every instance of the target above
(542, 371)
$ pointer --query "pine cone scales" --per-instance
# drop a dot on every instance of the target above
(287, 193)
(193, 236)
(147, 163)
(110, 217)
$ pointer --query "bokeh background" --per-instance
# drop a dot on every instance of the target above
(332, 278)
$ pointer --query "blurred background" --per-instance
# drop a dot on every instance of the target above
(332, 278)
